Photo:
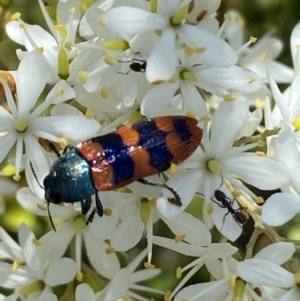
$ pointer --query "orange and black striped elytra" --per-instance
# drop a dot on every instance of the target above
(128, 154)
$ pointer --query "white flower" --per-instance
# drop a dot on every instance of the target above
(219, 160)
(281, 207)
(24, 124)
(37, 276)
(171, 19)
(206, 253)
(105, 262)
(126, 279)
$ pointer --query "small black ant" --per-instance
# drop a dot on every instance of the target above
(223, 201)
(136, 65)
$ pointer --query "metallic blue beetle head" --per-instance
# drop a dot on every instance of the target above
(69, 180)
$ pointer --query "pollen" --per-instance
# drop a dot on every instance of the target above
(149, 265)
(214, 166)
(205, 118)
(172, 169)
(188, 50)
(104, 94)
(83, 75)
(63, 142)
(37, 242)
(209, 208)
(41, 207)
(191, 113)
(15, 265)
(110, 250)
(259, 103)
(252, 79)
(60, 91)
(16, 16)
(73, 10)
(107, 212)
(178, 272)
(82, 7)
(101, 20)
(179, 237)
(229, 97)
(39, 49)
(259, 200)
(89, 113)
(22, 25)
(296, 124)
(79, 277)
(16, 177)
(200, 49)
(110, 60)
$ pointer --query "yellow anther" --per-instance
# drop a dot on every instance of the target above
(109, 250)
(37, 242)
(89, 113)
(209, 208)
(205, 119)
(107, 212)
(229, 97)
(189, 50)
(104, 94)
(191, 113)
(63, 142)
(296, 124)
(261, 154)
(178, 272)
(259, 200)
(72, 10)
(110, 60)
(15, 265)
(253, 39)
(179, 237)
(152, 202)
(41, 207)
(251, 79)
(39, 49)
(188, 75)
(16, 177)
(15, 16)
(149, 265)
(22, 25)
(200, 49)
(172, 169)
(259, 103)
(83, 75)
(79, 277)
(227, 17)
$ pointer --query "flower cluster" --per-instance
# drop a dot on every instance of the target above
(105, 64)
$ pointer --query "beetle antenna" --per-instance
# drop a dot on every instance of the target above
(50, 217)
(34, 174)
(54, 149)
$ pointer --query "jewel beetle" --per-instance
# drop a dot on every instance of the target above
(128, 154)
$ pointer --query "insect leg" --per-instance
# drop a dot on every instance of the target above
(99, 207)
(177, 200)
(86, 205)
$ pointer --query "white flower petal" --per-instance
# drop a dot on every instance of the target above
(74, 128)
(279, 252)
(131, 223)
(288, 154)
(186, 185)
(105, 264)
(280, 208)
(84, 292)
(60, 271)
(225, 129)
(30, 250)
(262, 272)
(31, 81)
(208, 291)
(217, 51)
(162, 61)
(124, 20)
(6, 143)
(185, 224)
(245, 166)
